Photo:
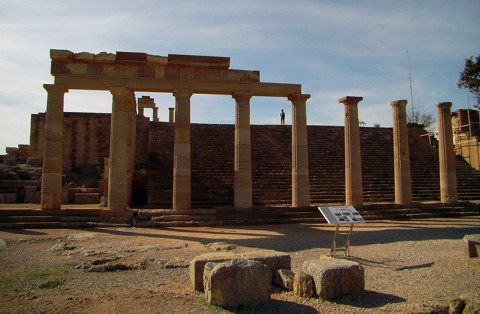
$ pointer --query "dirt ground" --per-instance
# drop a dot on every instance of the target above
(406, 263)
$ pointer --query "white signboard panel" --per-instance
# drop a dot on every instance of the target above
(341, 215)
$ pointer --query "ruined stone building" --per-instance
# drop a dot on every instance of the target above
(182, 166)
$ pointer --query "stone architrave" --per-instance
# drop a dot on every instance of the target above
(182, 194)
(119, 184)
(243, 151)
(448, 172)
(353, 160)
(171, 115)
(300, 180)
(51, 195)
(403, 186)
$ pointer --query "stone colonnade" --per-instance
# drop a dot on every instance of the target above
(182, 75)
(403, 190)
(122, 149)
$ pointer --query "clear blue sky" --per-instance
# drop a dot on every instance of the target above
(332, 48)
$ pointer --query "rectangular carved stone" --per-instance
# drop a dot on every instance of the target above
(273, 259)
(334, 277)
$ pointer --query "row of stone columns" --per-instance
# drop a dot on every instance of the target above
(122, 152)
(402, 172)
(122, 148)
(242, 159)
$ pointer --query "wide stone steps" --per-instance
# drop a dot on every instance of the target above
(212, 166)
(65, 218)
(279, 214)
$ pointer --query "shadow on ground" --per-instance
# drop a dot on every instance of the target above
(294, 237)
(369, 299)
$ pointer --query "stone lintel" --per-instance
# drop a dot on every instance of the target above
(199, 61)
(350, 100)
(131, 57)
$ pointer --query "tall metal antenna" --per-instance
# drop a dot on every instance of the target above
(410, 77)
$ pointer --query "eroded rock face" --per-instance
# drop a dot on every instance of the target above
(303, 285)
(284, 278)
(237, 282)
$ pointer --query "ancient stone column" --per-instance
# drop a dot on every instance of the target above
(182, 194)
(243, 151)
(300, 180)
(51, 195)
(353, 161)
(132, 138)
(119, 184)
(448, 172)
(171, 115)
(155, 114)
(401, 155)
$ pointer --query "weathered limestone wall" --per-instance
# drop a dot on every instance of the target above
(86, 140)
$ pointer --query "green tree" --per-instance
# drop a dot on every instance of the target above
(470, 77)
(427, 119)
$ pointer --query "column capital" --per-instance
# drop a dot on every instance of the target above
(350, 100)
(399, 103)
(120, 91)
(183, 92)
(242, 96)
(55, 88)
(298, 97)
(444, 105)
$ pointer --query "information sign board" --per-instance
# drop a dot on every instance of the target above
(341, 215)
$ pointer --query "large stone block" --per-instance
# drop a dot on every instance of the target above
(198, 263)
(334, 277)
(273, 259)
(237, 282)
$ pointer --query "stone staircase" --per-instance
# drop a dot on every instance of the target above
(212, 181)
(64, 218)
(281, 215)
(212, 166)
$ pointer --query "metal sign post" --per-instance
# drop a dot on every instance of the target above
(341, 215)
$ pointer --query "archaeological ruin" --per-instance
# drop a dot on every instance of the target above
(156, 171)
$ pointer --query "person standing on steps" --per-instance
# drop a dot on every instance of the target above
(282, 117)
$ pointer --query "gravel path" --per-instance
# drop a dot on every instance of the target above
(407, 263)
